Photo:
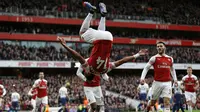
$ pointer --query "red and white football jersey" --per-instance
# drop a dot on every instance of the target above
(41, 85)
(95, 82)
(34, 92)
(189, 82)
(100, 56)
(162, 66)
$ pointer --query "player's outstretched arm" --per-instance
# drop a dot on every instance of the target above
(29, 92)
(130, 58)
(79, 73)
(75, 54)
(147, 67)
(173, 72)
(197, 85)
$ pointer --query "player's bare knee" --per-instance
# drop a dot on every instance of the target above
(166, 101)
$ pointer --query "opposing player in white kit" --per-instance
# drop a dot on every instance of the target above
(41, 85)
(15, 99)
(178, 97)
(190, 84)
(143, 89)
(33, 93)
(162, 85)
(63, 94)
(2, 94)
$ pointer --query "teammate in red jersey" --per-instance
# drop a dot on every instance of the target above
(2, 94)
(190, 84)
(41, 85)
(92, 86)
(33, 93)
(163, 66)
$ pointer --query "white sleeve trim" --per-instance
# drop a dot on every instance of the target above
(80, 74)
(105, 77)
(147, 67)
(172, 70)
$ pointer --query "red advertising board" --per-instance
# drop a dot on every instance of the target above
(117, 40)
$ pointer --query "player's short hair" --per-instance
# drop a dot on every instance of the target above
(161, 43)
(41, 73)
(189, 67)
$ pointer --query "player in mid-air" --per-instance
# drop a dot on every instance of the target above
(42, 98)
(92, 86)
(190, 85)
(163, 66)
(98, 61)
(33, 93)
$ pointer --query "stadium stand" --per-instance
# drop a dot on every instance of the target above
(163, 11)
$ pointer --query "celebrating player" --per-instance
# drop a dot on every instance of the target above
(163, 65)
(41, 85)
(33, 93)
(191, 84)
(92, 87)
(98, 61)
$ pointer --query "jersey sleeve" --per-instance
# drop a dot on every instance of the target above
(30, 92)
(172, 70)
(79, 73)
(147, 67)
(111, 66)
(35, 83)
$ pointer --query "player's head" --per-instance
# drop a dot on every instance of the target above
(142, 82)
(41, 75)
(189, 70)
(161, 47)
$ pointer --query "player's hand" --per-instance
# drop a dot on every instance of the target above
(62, 41)
(143, 52)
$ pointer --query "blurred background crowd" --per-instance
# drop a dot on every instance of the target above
(125, 84)
(163, 11)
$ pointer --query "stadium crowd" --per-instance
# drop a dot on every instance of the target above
(124, 85)
(167, 11)
(75, 98)
(47, 53)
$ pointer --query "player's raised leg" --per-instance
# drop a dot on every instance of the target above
(102, 22)
(86, 23)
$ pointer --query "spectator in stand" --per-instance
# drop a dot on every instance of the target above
(18, 52)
